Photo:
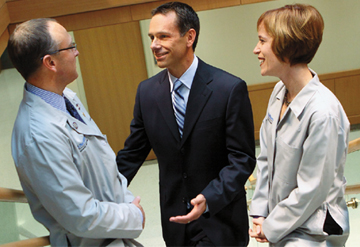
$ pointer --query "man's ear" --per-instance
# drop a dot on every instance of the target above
(191, 37)
(49, 63)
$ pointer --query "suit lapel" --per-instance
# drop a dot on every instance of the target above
(199, 95)
(163, 99)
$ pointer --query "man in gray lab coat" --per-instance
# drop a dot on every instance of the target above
(66, 167)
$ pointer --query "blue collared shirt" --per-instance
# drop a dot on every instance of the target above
(187, 79)
(53, 99)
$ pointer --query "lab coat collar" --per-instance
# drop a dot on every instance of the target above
(298, 104)
(304, 96)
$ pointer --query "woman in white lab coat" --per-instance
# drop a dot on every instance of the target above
(299, 195)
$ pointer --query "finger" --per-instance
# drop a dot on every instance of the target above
(180, 219)
(136, 200)
(185, 219)
(258, 229)
(198, 199)
(253, 234)
(262, 240)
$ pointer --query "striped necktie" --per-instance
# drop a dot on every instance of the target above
(179, 105)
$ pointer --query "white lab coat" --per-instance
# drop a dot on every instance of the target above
(301, 168)
(69, 175)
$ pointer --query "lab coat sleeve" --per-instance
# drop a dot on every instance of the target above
(259, 201)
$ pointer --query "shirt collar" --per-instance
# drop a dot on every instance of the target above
(53, 99)
(188, 77)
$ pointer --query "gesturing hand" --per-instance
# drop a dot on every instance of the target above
(199, 203)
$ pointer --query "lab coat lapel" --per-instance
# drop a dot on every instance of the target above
(90, 127)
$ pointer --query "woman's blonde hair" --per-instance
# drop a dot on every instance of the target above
(296, 31)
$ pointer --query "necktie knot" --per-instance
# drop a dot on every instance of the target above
(177, 85)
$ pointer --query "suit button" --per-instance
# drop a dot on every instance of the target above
(184, 175)
(182, 151)
(183, 200)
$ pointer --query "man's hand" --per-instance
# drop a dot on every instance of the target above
(199, 203)
(257, 231)
(136, 202)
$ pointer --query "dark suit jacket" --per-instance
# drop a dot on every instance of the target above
(215, 156)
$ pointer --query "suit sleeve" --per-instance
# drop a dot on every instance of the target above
(240, 147)
(137, 145)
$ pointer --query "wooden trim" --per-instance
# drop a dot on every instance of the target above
(354, 145)
(95, 13)
(352, 189)
(29, 9)
(142, 11)
(3, 41)
(11, 195)
(4, 18)
(253, 1)
(95, 19)
(33, 242)
(340, 74)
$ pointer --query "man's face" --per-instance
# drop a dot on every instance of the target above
(170, 49)
(65, 60)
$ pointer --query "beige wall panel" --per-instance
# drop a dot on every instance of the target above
(112, 65)
(29, 9)
(95, 18)
(3, 41)
(347, 90)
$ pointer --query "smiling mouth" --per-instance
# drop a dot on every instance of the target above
(261, 61)
(159, 55)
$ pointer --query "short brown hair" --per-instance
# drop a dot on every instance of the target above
(296, 31)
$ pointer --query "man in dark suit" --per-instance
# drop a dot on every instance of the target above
(205, 147)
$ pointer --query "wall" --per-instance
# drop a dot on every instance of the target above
(228, 37)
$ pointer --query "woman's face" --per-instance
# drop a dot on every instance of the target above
(270, 65)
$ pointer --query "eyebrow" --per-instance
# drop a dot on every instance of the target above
(157, 33)
(262, 37)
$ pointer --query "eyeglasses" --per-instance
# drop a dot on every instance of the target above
(73, 46)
